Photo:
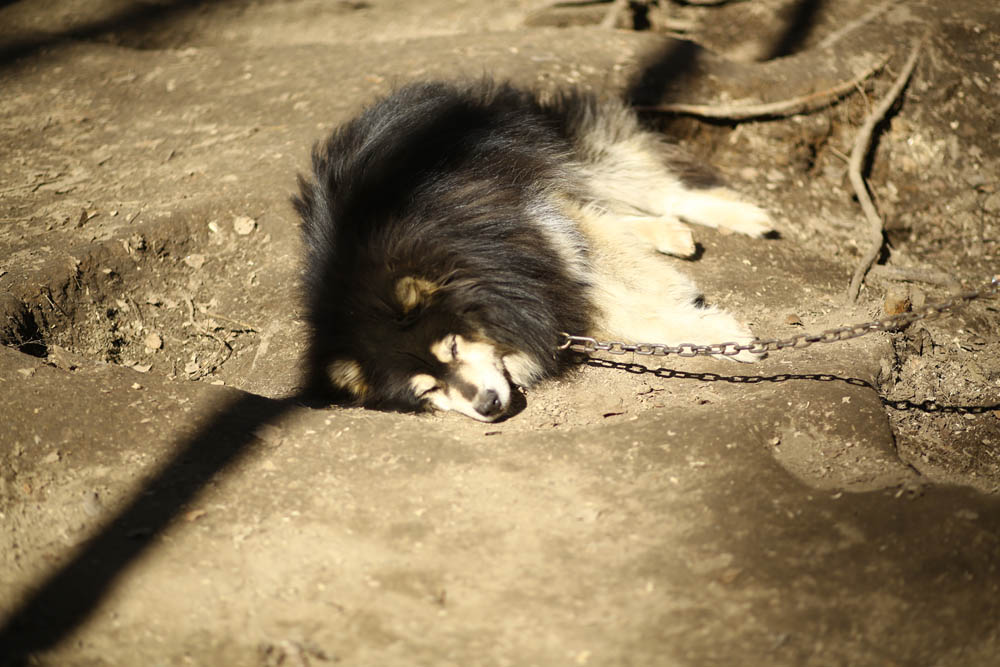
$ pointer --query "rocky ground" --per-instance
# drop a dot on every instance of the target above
(163, 501)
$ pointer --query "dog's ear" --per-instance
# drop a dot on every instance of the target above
(412, 292)
(346, 374)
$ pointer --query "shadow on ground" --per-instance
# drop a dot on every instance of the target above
(60, 604)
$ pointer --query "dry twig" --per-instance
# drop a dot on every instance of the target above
(862, 143)
(245, 327)
(704, 3)
(610, 19)
(790, 107)
(850, 27)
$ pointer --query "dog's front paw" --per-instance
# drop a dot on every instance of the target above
(722, 209)
(745, 218)
(667, 235)
(676, 241)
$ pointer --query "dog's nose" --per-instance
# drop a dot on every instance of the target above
(488, 403)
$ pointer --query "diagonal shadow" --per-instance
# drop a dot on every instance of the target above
(141, 16)
(801, 20)
(67, 598)
(678, 60)
(675, 61)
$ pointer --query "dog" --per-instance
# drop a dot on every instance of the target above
(452, 231)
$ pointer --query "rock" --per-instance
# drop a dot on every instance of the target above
(153, 341)
(244, 225)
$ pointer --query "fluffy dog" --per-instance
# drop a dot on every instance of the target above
(452, 231)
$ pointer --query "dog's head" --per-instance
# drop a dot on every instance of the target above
(423, 349)
(471, 379)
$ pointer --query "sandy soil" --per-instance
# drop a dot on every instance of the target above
(163, 501)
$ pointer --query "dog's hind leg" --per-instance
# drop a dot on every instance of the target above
(639, 297)
(690, 323)
(635, 319)
(642, 176)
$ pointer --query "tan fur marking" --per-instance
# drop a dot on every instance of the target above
(421, 383)
(346, 374)
(412, 291)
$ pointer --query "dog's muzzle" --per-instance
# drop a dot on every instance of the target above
(488, 404)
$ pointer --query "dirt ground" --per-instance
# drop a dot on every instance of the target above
(165, 500)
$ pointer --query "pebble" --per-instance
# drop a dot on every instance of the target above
(992, 203)
(244, 225)
(153, 341)
(195, 261)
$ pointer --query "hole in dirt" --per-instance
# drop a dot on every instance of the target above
(180, 300)
(18, 329)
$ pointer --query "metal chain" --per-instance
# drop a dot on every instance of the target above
(892, 323)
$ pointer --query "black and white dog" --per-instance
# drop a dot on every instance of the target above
(453, 231)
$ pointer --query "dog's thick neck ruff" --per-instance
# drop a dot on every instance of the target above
(452, 231)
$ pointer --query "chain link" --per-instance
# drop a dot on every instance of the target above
(588, 345)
